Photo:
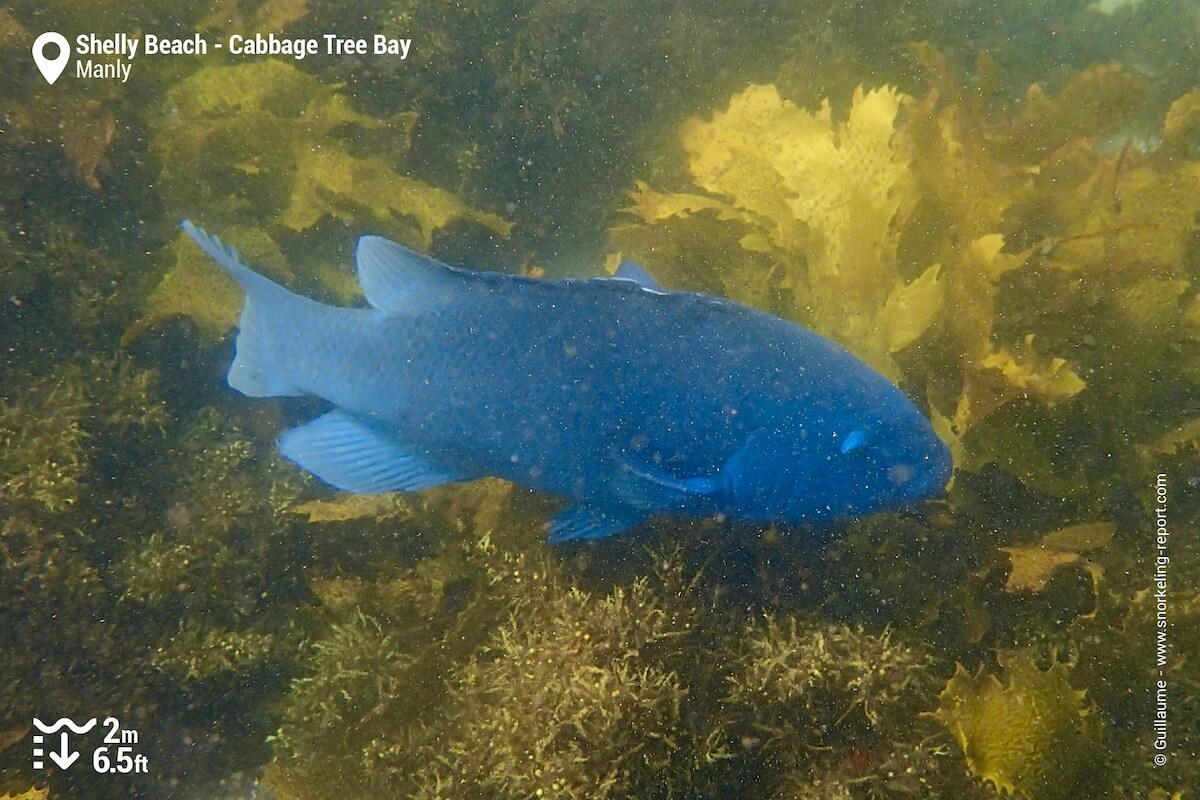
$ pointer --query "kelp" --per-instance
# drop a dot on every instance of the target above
(825, 203)
(1033, 567)
(1030, 735)
(261, 152)
(913, 230)
(34, 793)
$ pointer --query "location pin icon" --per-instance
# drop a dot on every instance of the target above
(51, 68)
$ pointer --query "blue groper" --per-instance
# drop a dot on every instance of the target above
(629, 400)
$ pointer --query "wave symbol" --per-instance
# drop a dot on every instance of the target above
(65, 723)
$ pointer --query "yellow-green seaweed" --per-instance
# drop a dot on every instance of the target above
(262, 151)
(1031, 735)
(821, 676)
(947, 239)
(52, 427)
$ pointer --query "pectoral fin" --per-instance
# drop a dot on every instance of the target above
(646, 484)
(764, 473)
(355, 456)
(761, 446)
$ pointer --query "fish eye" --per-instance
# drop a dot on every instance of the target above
(857, 440)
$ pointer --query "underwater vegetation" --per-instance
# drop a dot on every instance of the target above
(602, 715)
(825, 707)
(1008, 231)
(419, 664)
(159, 595)
(543, 107)
(330, 163)
(1030, 735)
(627, 688)
(835, 221)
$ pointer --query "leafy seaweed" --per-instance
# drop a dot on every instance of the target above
(262, 151)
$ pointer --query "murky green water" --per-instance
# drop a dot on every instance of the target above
(994, 206)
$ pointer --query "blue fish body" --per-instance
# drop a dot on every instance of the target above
(627, 399)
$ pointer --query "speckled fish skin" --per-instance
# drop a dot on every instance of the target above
(626, 399)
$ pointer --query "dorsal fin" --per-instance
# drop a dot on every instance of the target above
(389, 273)
(632, 271)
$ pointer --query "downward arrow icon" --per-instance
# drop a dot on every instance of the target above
(64, 757)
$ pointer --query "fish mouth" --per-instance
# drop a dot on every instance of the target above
(933, 475)
(923, 479)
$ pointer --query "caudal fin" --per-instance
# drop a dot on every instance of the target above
(258, 369)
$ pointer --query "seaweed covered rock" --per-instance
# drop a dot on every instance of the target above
(1118, 665)
(54, 426)
(816, 709)
(222, 565)
(399, 612)
(41, 442)
(808, 698)
(571, 698)
(82, 490)
(481, 672)
(819, 677)
(359, 721)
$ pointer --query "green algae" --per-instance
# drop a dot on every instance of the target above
(603, 714)
(43, 452)
(1031, 735)
(429, 703)
(57, 423)
(833, 676)
(326, 162)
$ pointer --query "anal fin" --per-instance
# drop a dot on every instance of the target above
(355, 456)
(592, 522)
